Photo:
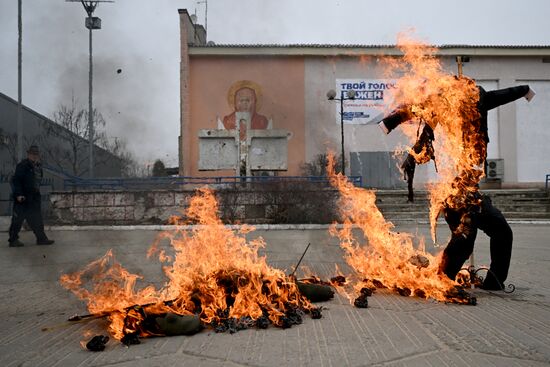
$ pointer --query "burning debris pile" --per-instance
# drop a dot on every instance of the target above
(215, 278)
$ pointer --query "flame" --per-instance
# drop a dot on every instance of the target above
(214, 272)
(385, 258)
(448, 104)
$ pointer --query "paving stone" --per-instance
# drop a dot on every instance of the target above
(503, 329)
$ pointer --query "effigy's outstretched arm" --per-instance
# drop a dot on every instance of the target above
(394, 119)
(499, 97)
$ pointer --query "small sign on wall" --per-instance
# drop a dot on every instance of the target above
(371, 103)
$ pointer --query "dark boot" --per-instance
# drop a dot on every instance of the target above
(17, 220)
(16, 243)
(492, 284)
(45, 241)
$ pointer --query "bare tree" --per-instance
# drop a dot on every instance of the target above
(9, 143)
(135, 169)
(118, 147)
(72, 128)
(318, 166)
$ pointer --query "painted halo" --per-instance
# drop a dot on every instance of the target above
(244, 84)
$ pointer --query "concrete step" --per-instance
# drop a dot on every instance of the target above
(425, 217)
(530, 207)
(532, 202)
(524, 208)
(526, 215)
(420, 215)
(402, 206)
(498, 199)
(492, 193)
(514, 203)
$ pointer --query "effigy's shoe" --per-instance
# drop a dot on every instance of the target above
(492, 286)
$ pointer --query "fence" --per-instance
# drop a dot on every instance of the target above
(73, 183)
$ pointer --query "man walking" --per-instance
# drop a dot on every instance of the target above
(27, 200)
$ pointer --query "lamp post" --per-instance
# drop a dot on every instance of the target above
(91, 23)
(345, 96)
(19, 81)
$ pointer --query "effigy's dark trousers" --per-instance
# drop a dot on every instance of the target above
(491, 221)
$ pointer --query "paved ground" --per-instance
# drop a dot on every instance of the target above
(502, 330)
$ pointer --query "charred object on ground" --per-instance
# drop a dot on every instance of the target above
(457, 294)
(97, 343)
(315, 289)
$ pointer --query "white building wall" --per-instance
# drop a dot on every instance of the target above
(526, 151)
(533, 128)
(508, 72)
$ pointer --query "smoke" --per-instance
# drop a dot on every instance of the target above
(136, 72)
(129, 93)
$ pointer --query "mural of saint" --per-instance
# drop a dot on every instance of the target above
(245, 98)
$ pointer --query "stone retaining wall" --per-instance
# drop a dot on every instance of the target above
(286, 203)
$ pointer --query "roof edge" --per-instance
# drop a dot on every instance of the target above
(356, 50)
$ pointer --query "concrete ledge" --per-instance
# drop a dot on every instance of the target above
(159, 227)
(280, 202)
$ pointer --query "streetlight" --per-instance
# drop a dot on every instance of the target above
(19, 81)
(349, 95)
(91, 23)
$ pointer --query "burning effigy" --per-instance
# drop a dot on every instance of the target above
(216, 279)
(452, 113)
(440, 107)
(445, 118)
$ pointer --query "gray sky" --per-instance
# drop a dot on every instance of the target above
(141, 37)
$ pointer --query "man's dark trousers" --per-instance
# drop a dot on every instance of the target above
(29, 210)
(491, 221)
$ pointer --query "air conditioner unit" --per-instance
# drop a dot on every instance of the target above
(495, 169)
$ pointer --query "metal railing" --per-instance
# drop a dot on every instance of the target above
(59, 172)
(75, 183)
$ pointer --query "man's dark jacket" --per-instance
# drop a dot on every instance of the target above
(26, 180)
